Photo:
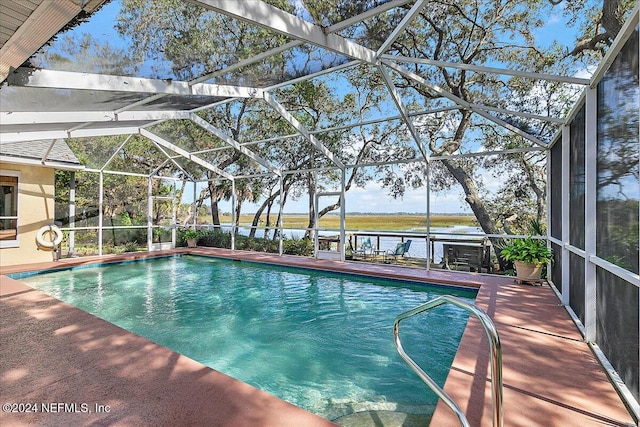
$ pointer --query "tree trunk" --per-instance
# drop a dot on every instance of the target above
(311, 185)
(267, 221)
(477, 206)
(284, 200)
(215, 214)
(238, 210)
(181, 191)
(256, 218)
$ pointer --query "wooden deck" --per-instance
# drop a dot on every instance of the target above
(53, 352)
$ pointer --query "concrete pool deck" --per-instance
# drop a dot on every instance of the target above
(51, 352)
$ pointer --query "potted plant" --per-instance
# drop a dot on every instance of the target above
(191, 236)
(529, 257)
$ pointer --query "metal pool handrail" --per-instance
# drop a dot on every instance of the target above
(494, 348)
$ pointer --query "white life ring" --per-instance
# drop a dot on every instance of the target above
(54, 232)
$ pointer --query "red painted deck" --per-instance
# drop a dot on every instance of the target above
(52, 352)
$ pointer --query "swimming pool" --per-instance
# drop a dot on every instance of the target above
(322, 341)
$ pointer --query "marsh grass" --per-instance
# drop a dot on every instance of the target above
(389, 222)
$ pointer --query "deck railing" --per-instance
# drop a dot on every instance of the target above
(494, 348)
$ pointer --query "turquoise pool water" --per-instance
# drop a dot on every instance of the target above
(319, 340)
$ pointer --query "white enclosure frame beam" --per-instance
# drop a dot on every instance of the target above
(42, 117)
(463, 104)
(149, 214)
(185, 154)
(557, 120)
(491, 70)
(169, 159)
(335, 128)
(115, 153)
(72, 213)
(590, 191)
(343, 214)
(195, 208)
(274, 19)
(233, 215)
(36, 162)
(427, 179)
(29, 77)
(233, 143)
(100, 210)
(287, 46)
(301, 129)
(332, 29)
(43, 159)
(82, 133)
(403, 111)
(566, 214)
(280, 213)
(290, 25)
(292, 44)
(417, 7)
(367, 14)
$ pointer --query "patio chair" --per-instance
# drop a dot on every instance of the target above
(401, 250)
(365, 249)
(407, 245)
(398, 251)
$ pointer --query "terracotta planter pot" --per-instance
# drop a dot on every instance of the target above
(525, 271)
(191, 243)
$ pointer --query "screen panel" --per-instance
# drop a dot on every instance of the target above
(617, 326)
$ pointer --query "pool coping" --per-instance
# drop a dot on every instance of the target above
(550, 375)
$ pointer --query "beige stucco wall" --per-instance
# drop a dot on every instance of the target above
(35, 209)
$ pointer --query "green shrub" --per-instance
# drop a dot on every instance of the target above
(222, 239)
(130, 247)
(215, 239)
(302, 247)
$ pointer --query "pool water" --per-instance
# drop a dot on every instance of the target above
(322, 341)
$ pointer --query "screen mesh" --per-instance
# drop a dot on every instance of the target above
(576, 285)
(617, 326)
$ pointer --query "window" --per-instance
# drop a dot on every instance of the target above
(8, 209)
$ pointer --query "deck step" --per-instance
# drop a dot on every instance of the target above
(383, 419)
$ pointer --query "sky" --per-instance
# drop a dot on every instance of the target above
(373, 198)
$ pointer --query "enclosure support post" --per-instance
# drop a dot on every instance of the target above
(195, 207)
(100, 210)
(316, 243)
(149, 216)
(566, 141)
(428, 222)
(174, 213)
(279, 224)
(72, 214)
(590, 172)
(343, 201)
(233, 214)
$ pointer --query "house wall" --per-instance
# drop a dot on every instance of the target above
(35, 209)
